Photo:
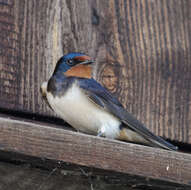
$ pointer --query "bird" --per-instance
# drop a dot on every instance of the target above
(76, 97)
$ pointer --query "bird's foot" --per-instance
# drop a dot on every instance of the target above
(101, 133)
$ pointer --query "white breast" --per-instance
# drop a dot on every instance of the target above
(76, 109)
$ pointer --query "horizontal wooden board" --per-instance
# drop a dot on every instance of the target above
(45, 141)
(142, 52)
(24, 176)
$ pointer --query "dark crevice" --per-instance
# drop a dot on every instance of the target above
(32, 116)
(26, 116)
(92, 174)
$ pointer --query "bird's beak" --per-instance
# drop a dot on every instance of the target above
(83, 60)
(87, 62)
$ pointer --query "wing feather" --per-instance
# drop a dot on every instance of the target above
(102, 97)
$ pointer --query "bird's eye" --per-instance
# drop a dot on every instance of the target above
(70, 62)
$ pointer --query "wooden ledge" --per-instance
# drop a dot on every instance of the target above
(42, 140)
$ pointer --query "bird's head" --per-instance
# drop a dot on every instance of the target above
(74, 64)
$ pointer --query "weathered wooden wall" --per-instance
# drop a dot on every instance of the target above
(142, 49)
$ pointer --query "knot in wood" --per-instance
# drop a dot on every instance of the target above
(109, 76)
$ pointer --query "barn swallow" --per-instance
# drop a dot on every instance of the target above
(89, 107)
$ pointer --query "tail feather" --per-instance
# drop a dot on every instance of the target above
(132, 136)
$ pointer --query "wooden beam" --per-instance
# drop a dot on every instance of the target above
(25, 176)
(44, 141)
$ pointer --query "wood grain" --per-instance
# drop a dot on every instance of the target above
(142, 50)
(58, 144)
(25, 176)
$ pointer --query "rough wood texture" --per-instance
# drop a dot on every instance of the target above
(25, 176)
(142, 49)
(77, 148)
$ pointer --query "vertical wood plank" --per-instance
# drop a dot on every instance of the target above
(142, 50)
(9, 56)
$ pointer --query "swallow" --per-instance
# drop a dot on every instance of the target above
(87, 106)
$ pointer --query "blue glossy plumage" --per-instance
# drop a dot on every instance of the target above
(62, 65)
(93, 86)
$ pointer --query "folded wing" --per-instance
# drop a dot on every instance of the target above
(103, 98)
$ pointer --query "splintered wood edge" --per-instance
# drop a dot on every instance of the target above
(42, 140)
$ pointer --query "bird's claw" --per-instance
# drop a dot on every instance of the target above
(100, 134)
